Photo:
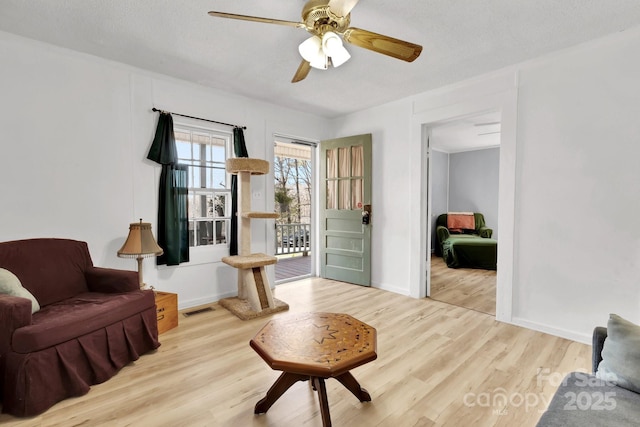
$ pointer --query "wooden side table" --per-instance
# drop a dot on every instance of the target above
(314, 347)
(167, 310)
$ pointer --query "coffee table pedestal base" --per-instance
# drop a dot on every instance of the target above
(287, 379)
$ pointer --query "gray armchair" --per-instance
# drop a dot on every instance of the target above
(585, 400)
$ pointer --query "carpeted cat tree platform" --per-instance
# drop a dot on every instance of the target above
(254, 291)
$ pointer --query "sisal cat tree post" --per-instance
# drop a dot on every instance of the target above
(254, 291)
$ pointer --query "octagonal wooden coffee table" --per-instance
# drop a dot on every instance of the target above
(314, 347)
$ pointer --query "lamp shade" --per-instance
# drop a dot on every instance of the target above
(311, 51)
(332, 46)
(331, 42)
(140, 242)
(340, 56)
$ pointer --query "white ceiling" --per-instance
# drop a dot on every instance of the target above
(469, 133)
(461, 39)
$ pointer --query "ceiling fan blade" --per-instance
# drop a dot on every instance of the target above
(302, 72)
(386, 45)
(257, 19)
(342, 8)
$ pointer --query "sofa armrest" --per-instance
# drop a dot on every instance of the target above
(109, 280)
(443, 233)
(15, 312)
(599, 335)
(485, 232)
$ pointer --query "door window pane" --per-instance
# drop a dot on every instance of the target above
(332, 194)
(357, 160)
(332, 163)
(332, 174)
(356, 193)
(344, 199)
(344, 162)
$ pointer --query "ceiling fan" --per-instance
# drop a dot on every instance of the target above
(328, 22)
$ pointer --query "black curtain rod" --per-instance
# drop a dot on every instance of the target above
(198, 118)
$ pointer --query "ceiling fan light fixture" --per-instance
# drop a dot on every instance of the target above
(311, 51)
(328, 22)
(333, 48)
(321, 62)
(331, 43)
(340, 56)
(311, 48)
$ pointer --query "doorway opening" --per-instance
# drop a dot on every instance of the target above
(502, 97)
(464, 162)
(293, 192)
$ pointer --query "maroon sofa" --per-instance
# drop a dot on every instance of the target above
(92, 322)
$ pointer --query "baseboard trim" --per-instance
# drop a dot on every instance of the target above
(389, 288)
(210, 299)
(547, 329)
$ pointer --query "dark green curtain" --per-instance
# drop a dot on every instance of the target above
(173, 226)
(240, 150)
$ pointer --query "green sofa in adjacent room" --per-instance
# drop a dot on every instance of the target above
(473, 248)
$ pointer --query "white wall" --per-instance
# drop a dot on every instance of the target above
(473, 184)
(76, 130)
(573, 195)
(390, 199)
(578, 150)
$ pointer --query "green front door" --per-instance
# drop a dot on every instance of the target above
(345, 194)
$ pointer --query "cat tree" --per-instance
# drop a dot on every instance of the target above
(254, 291)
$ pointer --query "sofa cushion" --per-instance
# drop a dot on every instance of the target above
(51, 269)
(77, 316)
(621, 354)
(584, 400)
(10, 285)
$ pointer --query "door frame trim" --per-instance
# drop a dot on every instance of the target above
(270, 235)
(420, 266)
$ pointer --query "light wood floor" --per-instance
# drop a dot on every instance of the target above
(437, 364)
(470, 288)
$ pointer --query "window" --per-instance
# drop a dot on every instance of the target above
(344, 177)
(205, 152)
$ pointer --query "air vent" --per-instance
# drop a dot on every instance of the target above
(202, 310)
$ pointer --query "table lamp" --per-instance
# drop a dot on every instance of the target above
(140, 244)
